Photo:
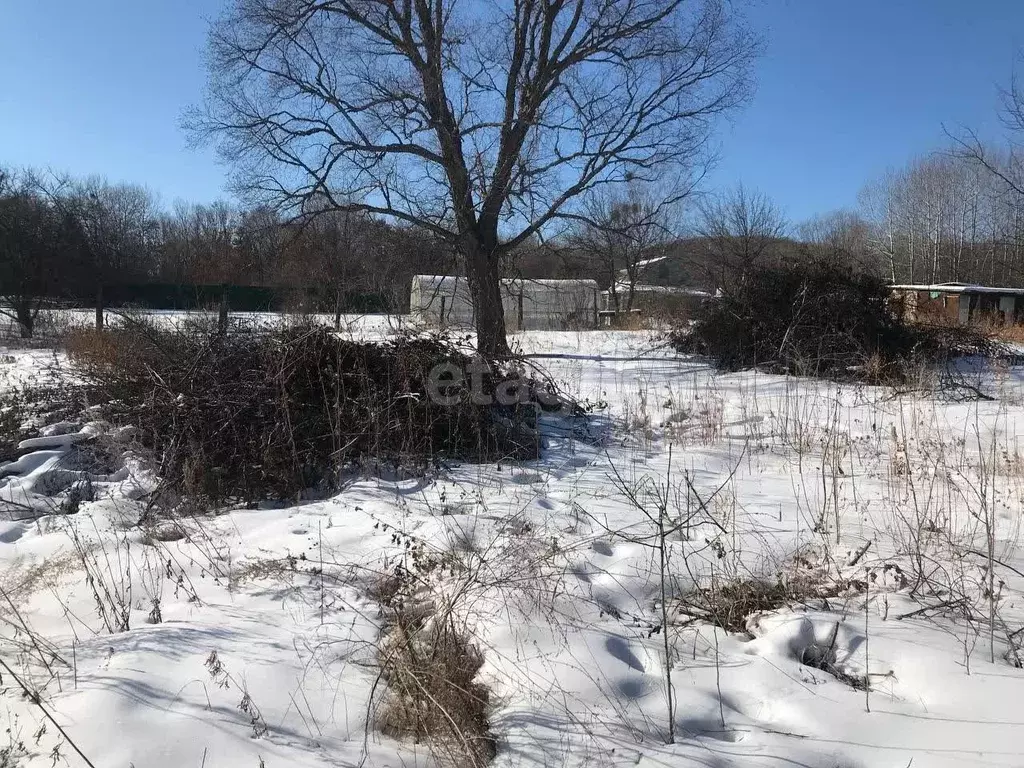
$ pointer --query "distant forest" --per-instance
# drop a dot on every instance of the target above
(949, 216)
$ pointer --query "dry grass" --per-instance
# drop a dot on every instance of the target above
(276, 569)
(1005, 332)
(430, 666)
(631, 321)
(20, 581)
(429, 661)
(729, 603)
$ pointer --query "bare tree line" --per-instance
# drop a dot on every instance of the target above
(377, 139)
(946, 218)
(67, 240)
(952, 215)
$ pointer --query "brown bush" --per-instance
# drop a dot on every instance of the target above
(819, 319)
(729, 603)
(271, 413)
(997, 331)
(430, 669)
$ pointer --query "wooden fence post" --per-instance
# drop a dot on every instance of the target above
(222, 318)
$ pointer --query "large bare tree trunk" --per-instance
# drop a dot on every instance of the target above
(485, 285)
(26, 322)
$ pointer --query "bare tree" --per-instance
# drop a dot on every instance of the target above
(259, 243)
(483, 124)
(842, 236)
(203, 244)
(119, 222)
(741, 228)
(38, 244)
(1007, 164)
(623, 234)
(334, 248)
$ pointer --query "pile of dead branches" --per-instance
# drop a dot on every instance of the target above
(272, 413)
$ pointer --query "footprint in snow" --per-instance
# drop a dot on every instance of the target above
(11, 532)
(634, 687)
(581, 572)
(603, 548)
(619, 649)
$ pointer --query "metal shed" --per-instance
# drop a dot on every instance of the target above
(961, 303)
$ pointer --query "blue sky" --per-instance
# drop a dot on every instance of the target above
(846, 89)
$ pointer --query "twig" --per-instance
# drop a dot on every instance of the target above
(937, 606)
(34, 698)
(867, 635)
(860, 553)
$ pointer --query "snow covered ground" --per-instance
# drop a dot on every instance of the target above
(249, 638)
(54, 322)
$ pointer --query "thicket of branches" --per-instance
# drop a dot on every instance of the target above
(273, 413)
(818, 318)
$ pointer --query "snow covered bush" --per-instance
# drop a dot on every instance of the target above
(25, 408)
(430, 667)
(271, 413)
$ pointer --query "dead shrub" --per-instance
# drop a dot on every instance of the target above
(818, 318)
(826, 658)
(988, 327)
(730, 603)
(630, 321)
(428, 660)
(279, 569)
(270, 413)
(430, 667)
(14, 416)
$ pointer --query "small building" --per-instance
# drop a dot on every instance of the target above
(545, 305)
(961, 303)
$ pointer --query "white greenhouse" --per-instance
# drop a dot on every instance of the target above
(546, 305)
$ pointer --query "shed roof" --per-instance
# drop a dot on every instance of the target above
(670, 289)
(958, 288)
(448, 280)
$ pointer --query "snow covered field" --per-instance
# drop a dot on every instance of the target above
(249, 638)
(54, 322)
